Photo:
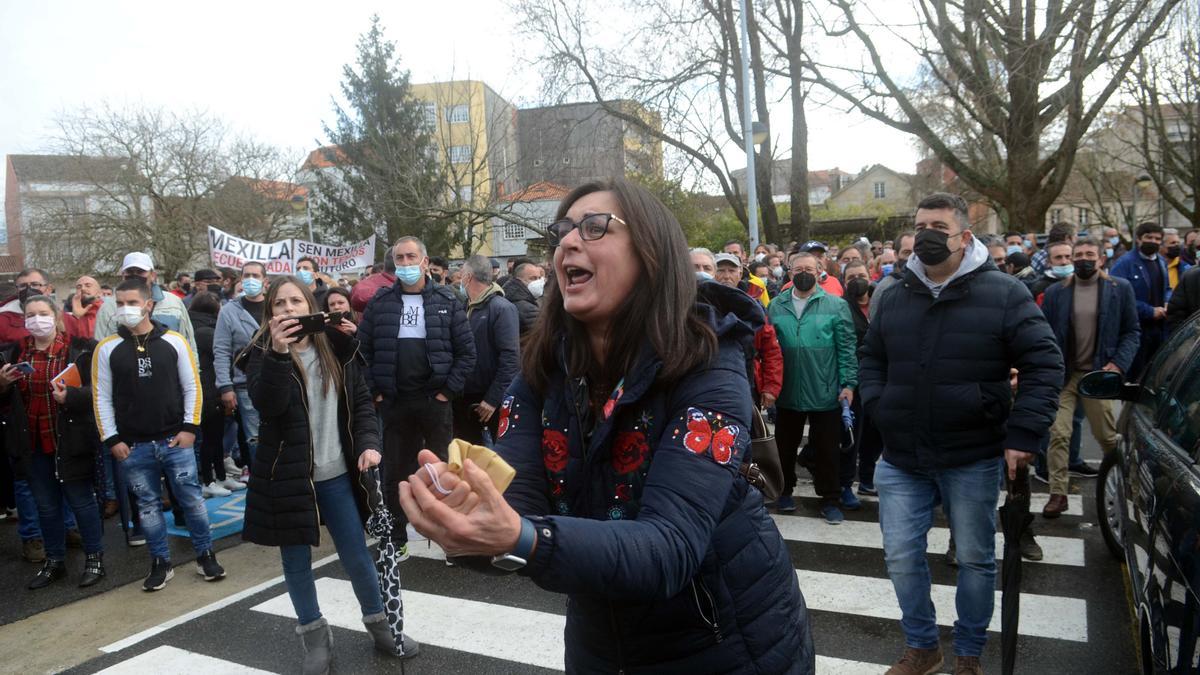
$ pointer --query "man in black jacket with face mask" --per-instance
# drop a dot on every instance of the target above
(934, 375)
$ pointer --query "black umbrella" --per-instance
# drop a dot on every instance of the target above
(380, 524)
(1014, 519)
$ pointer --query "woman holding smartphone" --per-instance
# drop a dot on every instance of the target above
(318, 432)
(52, 437)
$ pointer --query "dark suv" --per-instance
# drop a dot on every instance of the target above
(1149, 498)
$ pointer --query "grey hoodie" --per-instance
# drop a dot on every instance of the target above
(974, 257)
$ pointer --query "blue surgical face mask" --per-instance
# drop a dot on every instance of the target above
(887, 269)
(1108, 252)
(252, 287)
(304, 276)
(1114, 240)
(409, 275)
(1014, 248)
(704, 276)
(1062, 271)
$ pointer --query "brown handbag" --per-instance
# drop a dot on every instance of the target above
(765, 472)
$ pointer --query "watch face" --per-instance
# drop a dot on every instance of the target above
(508, 563)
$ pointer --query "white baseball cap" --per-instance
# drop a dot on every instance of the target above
(137, 260)
(727, 258)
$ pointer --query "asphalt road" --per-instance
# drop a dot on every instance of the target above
(1076, 617)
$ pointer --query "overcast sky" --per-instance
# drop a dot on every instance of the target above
(270, 68)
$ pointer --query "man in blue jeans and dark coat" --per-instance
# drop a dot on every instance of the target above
(934, 375)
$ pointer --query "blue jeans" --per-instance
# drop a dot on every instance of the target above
(250, 421)
(144, 466)
(49, 495)
(906, 503)
(335, 499)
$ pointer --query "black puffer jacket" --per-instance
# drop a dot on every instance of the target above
(78, 442)
(519, 295)
(933, 373)
(448, 342)
(281, 506)
(205, 325)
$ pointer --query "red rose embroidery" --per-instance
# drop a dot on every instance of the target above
(502, 425)
(629, 450)
(554, 450)
(624, 494)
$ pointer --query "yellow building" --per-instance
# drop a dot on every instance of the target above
(476, 132)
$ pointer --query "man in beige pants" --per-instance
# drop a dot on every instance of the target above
(1094, 319)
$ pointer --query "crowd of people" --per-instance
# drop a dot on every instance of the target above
(956, 355)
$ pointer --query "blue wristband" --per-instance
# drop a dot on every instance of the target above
(526, 541)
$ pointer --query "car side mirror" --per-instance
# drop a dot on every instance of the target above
(1107, 384)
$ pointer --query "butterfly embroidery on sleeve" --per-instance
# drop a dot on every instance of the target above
(712, 433)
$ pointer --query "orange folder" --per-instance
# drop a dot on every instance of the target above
(69, 377)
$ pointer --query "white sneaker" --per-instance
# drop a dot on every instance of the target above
(231, 467)
(214, 489)
(232, 485)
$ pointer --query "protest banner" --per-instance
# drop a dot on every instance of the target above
(227, 250)
(279, 257)
(335, 259)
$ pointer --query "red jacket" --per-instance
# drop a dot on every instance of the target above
(12, 322)
(82, 326)
(768, 361)
(366, 289)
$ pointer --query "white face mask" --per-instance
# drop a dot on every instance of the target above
(39, 326)
(537, 287)
(129, 317)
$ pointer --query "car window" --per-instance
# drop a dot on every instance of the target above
(1181, 409)
(1166, 367)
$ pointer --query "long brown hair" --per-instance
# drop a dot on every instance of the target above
(331, 369)
(660, 309)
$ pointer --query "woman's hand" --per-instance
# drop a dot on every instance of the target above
(283, 331)
(60, 392)
(8, 375)
(347, 326)
(368, 459)
(489, 528)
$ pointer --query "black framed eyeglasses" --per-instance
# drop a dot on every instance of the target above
(591, 228)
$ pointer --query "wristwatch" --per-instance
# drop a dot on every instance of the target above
(519, 556)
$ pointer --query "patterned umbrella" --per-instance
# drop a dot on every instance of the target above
(380, 524)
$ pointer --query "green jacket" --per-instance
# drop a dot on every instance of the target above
(818, 350)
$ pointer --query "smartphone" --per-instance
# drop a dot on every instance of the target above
(335, 318)
(310, 324)
(24, 367)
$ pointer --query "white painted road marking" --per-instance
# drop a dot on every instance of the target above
(1058, 550)
(1037, 501)
(1048, 616)
(177, 661)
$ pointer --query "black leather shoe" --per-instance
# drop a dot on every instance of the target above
(51, 571)
(93, 570)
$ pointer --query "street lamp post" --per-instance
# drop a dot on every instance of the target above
(752, 132)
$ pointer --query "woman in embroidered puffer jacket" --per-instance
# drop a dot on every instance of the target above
(627, 428)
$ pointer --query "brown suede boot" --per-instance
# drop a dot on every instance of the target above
(967, 665)
(917, 662)
(1055, 507)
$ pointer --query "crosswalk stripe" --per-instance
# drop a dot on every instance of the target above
(167, 659)
(1037, 501)
(523, 636)
(1046, 616)
(1057, 550)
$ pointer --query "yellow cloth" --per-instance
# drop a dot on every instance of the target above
(762, 297)
(1173, 273)
(496, 468)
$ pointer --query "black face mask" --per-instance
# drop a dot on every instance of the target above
(216, 288)
(931, 246)
(1085, 269)
(1173, 251)
(26, 293)
(1148, 248)
(804, 281)
(186, 288)
(901, 264)
(437, 278)
(857, 287)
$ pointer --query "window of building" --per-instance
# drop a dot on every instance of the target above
(880, 189)
(460, 154)
(431, 114)
(1055, 216)
(514, 231)
(465, 193)
(566, 160)
(457, 114)
(1082, 221)
(537, 162)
